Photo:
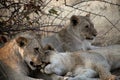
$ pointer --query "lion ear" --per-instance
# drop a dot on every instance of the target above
(21, 41)
(3, 39)
(74, 20)
(48, 47)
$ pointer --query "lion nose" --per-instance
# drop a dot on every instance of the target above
(31, 63)
(35, 64)
(95, 34)
(36, 48)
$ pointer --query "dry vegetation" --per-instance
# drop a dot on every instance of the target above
(23, 15)
(15, 15)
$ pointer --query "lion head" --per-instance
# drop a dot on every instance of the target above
(23, 48)
(48, 51)
(31, 50)
(83, 27)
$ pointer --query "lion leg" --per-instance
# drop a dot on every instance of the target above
(94, 47)
(84, 74)
(79, 77)
(28, 78)
(57, 77)
(104, 72)
(17, 76)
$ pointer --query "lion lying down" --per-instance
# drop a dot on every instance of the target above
(18, 57)
(83, 65)
(76, 36)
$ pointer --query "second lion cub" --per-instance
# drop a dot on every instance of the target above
(84, 65)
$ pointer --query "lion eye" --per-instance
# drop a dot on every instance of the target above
(86, 26)
(47, 52)
(36, 48)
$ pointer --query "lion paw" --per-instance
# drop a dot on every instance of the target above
(47, 69)
(112, 77)
(66, 78)
(69, 74)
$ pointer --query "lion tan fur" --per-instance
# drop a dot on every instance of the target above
(75, 36)
(85, 65)
(16, 56)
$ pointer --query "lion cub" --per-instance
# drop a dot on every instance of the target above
(74, 37)
(83, 65)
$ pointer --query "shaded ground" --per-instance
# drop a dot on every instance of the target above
(116, 72)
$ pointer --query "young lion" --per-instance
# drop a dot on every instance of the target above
(74, 37)
(18, 57)
(84, 65)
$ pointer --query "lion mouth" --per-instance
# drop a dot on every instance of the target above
(89, 38)
(33, 66)
(42, 66)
